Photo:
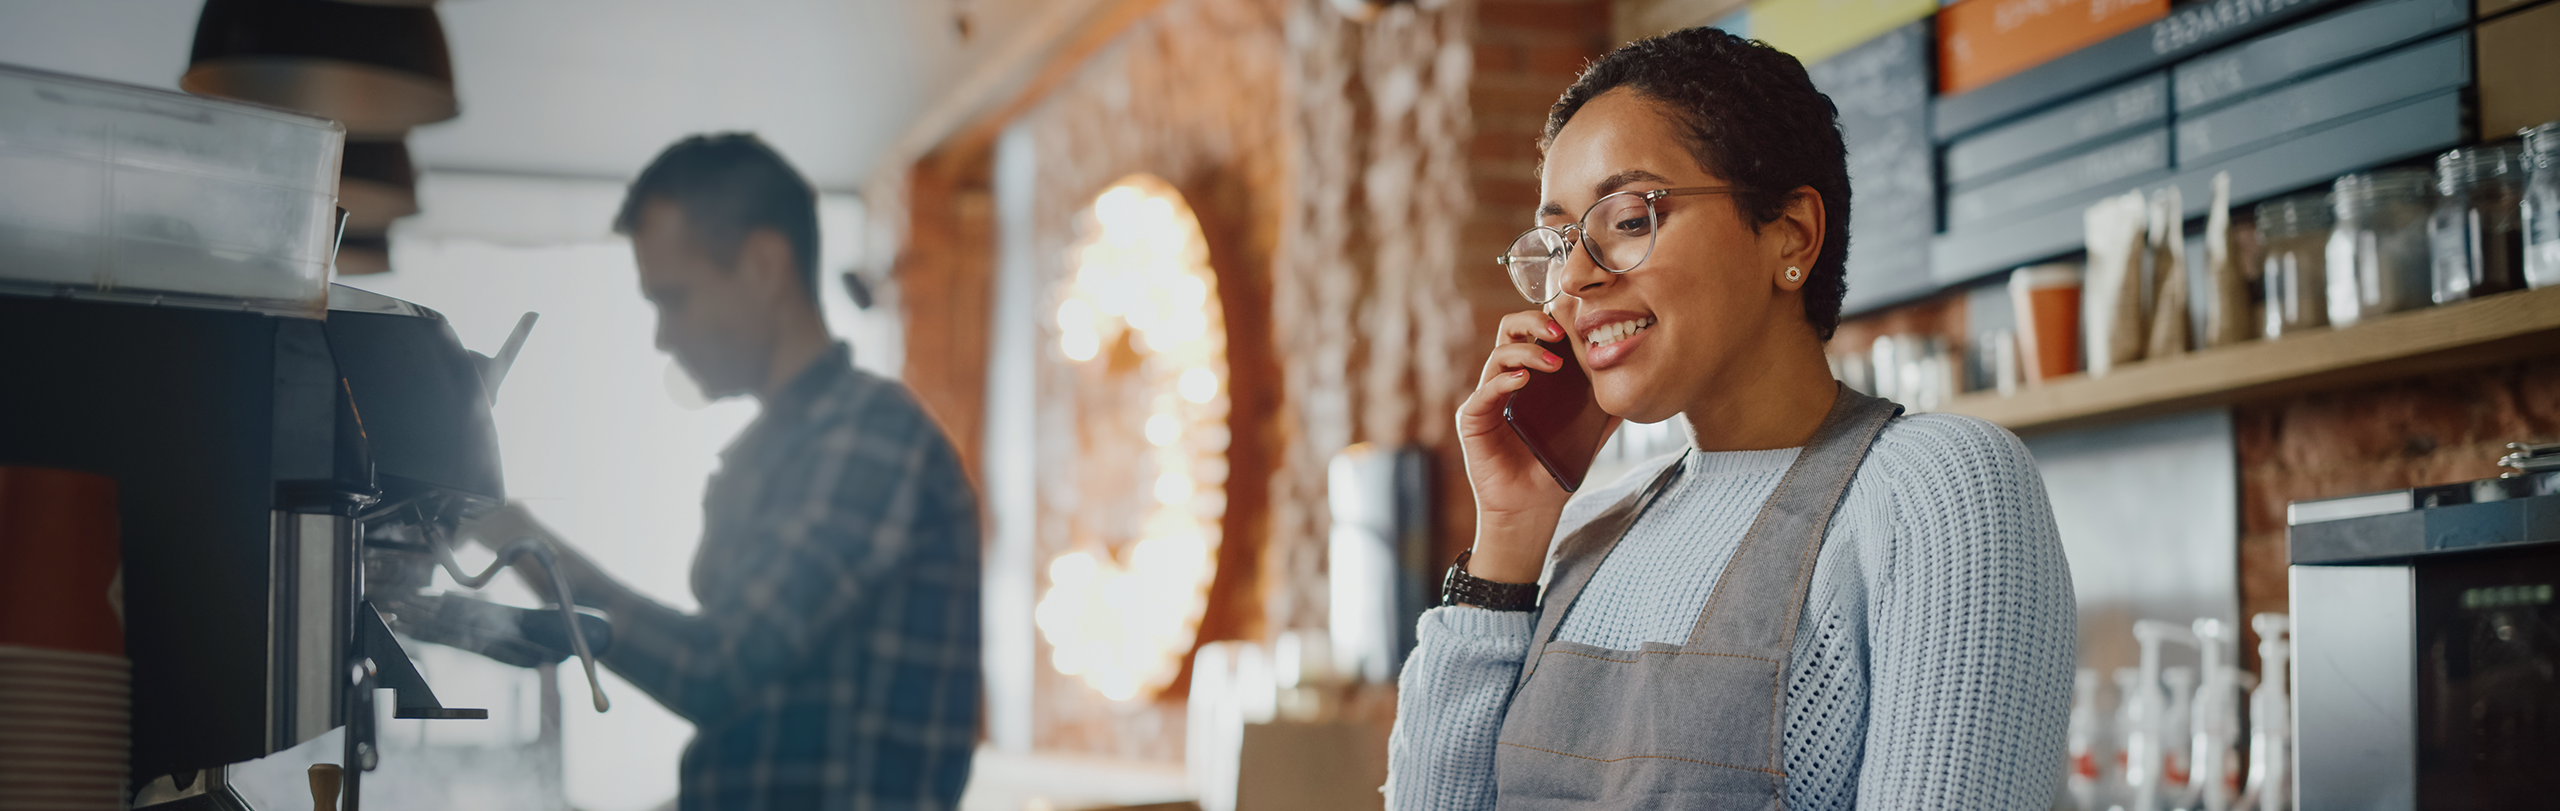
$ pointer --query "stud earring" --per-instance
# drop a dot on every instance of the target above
(1794, 273)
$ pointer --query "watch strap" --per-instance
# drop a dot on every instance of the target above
(1460, 587)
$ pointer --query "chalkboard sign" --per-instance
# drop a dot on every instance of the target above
(1882, 91)
(2189, 30)
(2350, 34)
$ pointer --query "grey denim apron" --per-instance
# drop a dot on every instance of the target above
(1692, 726)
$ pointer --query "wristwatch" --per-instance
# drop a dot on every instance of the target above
(1460, 587)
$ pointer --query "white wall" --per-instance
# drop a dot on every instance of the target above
(2150, 516)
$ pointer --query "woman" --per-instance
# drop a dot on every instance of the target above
(1821, 604)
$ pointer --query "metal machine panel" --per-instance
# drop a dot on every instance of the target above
(419, 392)
(2355, 701)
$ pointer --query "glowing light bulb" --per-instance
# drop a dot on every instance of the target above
(1199, 385)
(1163, 429)
(1080, 345)
(1173, 488)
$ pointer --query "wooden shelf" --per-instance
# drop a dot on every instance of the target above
(2494, 329)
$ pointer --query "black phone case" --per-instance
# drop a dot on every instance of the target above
(1557, 418)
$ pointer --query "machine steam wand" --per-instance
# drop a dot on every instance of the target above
(540, 551)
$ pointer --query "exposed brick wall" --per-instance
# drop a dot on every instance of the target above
(1354, 180)
(1193, 94)
(1526, 53)
(2437, 429)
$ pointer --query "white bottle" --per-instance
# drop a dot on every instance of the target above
(2177, 718)
(2082, 775)
(2215, 779)
(2121, 735)
(2147, 747)
(2270, 785)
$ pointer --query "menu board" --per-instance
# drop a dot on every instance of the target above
(1882, 91)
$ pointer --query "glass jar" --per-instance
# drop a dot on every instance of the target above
(2474, 234)
(2541, 208)
(2293, 232)
(2377, 254)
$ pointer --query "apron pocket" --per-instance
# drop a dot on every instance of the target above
(1659, 723)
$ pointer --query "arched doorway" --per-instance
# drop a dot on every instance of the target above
(1139, 323)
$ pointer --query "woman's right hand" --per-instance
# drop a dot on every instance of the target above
(1517, 503)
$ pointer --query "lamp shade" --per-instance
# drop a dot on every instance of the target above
(377, 70)
(376, 185)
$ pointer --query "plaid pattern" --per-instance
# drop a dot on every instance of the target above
(834, 664)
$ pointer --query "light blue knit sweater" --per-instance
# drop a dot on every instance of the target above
(1932, 669)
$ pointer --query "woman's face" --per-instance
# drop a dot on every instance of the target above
(1708, 296)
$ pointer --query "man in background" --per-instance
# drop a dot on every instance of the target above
(834, 662)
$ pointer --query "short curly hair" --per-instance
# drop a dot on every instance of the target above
(1751, 116)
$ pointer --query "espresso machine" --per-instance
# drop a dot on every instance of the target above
(2427, 644)
(292, 456)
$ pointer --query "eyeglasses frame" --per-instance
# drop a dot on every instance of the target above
(1572, 233)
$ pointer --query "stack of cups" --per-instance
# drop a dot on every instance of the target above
(65, 685)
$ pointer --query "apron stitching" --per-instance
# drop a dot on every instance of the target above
(1750, 537)
(1646, 757)
(1804, 572)
(1715, 597)
(1644, 653)
(1821, 527)
(1644, 500)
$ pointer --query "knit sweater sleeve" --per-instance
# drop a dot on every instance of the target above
(1972, 630)
(1449, 706)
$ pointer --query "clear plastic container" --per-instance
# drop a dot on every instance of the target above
(2378, 261)
(2475, 233)
(127, 193)
(2294, 234)
(2541, 206)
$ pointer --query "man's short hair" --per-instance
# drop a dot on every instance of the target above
(730, 184)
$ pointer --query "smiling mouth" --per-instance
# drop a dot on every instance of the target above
(1613, 333)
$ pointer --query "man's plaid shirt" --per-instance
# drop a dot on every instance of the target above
(834, 664)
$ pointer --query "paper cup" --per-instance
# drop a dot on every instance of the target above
(60, 586)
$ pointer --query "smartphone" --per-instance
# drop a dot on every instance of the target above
(1556, 416)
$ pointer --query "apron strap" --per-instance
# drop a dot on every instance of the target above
(1773, 567)
(1579, 555)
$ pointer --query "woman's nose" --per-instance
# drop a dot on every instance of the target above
(1581, 274)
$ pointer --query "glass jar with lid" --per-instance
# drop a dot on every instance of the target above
(2378, 260)
(2293, 232)
(2541, 206)
(2474, 234)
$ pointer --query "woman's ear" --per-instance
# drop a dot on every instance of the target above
(1798, 231)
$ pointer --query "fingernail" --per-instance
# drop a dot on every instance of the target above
(1554, 330)
(1520, 373)
(1551, 358)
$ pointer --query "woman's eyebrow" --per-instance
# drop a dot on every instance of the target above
(1611, 184)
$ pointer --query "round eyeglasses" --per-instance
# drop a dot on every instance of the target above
(1617, 232)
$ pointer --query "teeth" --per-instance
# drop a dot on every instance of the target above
(1616, 332)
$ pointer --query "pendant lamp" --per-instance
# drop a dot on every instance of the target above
(378, 70)
(376, 185)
